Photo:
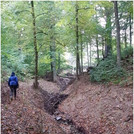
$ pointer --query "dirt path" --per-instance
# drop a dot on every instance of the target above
(87, 109)
(26, 115)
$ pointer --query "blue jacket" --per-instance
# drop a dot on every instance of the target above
(13, 80)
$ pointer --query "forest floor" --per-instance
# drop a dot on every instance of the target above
(83, 108)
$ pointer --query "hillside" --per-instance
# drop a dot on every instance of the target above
(90, 108)
(99, 109)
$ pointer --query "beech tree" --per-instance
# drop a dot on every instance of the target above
(35, 46)
(118, 34)
(54, 28)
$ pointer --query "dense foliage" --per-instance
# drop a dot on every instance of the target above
(107, 70)
(86, 30)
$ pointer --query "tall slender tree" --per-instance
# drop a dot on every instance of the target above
(87, 56)
(130, 29)
(90, 55)
(97, 46)
(108, 36)
(77, 41)
(117, 34)
(125, 35)
(35, 46)
(81, 54)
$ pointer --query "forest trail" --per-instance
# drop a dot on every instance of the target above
(52, 41)
(26, 114)
(88, 108)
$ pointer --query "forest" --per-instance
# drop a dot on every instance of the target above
(74, 63)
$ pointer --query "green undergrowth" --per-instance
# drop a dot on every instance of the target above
(107, 70)
(20, 72)
(25, 71)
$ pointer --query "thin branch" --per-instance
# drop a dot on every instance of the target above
(60, 43)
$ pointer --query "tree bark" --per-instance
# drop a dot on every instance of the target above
(51, 57)
(102, 47)
(35, 46)
(118, 34)
(125, 33)
(130, 29)
(79, 66)
(58, 61)
(77, 39)
(97, 48)
(87, 55)
(108, 47)
(90, 55)
(125, 38)
(81, 55)
(54, 61)
(52, 43)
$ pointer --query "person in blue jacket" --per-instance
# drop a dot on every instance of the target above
(13, 84)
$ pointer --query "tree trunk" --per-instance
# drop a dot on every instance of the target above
(125, 38)
(90, 55)
(77, 38)
(51, 57)
(106, 50)
(54, 61)
(87, 55)
(130, 29)
(102, 47)
(35, 46)
(58, 62)
(97, 49)
(81, 55)
(108, 46)
(118, 34)
(79, 67)
(125, 33)
(52, 43)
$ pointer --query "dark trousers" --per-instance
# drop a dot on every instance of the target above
(13, 91)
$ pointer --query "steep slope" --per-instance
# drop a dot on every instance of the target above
(99, 109)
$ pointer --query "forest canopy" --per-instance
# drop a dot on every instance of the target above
(38, 36)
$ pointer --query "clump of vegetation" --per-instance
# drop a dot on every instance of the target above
(19, 70)
(107, 70)
(127, 52)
